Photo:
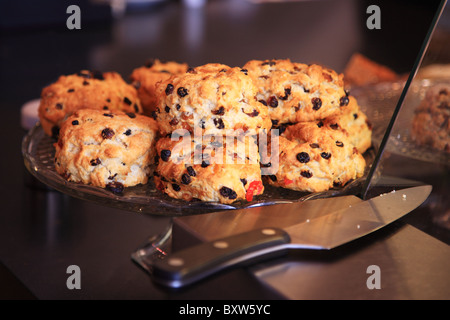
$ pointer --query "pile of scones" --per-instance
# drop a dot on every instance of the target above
(194, 131)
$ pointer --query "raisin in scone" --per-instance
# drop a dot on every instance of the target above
(146, 77)
(295, 92)
(311, 158)
(85, 90)
(218, 169)
(106, 149)
(431, 124)
(211, 99)
(355, 122)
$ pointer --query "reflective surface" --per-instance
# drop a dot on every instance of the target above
(379, 99)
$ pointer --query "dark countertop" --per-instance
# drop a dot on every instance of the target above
(43, 232)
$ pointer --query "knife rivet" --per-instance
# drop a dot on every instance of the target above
(175, 262)
(268, 232)
(220, 244)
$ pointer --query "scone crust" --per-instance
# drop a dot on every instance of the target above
(312, 158)
(212, 99)
(296, 92)
(199, 175)
(355, 122)
(146, 77)
(106, 148)
(85, 90)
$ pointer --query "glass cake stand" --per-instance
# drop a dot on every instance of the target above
(38, 151)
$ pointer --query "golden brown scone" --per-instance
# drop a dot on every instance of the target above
(353, 120)
(361, 70)
(312, 158)
(145, 78)
(431, 124)
(217, 170)
(86, 89)
(211, 99)
(106, 149)
(295, 92)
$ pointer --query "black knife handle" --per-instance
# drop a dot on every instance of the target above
(197, 262)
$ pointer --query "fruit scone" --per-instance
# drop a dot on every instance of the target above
(145, 78)
(219, 169)
(85, 90)
(106, 149)
(311, 157)
(431, 122)
(295, 92)
(211, 99)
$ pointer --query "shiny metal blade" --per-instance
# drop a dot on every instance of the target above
(357, 220)
(324, 232)
(225, 223)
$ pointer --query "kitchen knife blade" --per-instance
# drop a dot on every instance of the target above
(221, 224)
(324, 232)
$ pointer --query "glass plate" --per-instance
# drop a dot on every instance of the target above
(379, 101)
(38, 152)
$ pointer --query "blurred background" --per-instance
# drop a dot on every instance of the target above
(120, 35)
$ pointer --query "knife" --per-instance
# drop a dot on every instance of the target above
(323, 232)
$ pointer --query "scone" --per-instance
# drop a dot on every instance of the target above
(106, 149)
(86, 89)
(355, 122)
(217, 170)
(431, 125)
(211, 99)
(146, 77)
(295, 92)
(311, 157)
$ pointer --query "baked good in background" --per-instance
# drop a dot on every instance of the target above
(215, 169)
(106, 149)
(437, 71)
(312, 157)
(361, 71)
(431, 121)
(145, 78)
(87, 89)
(296, 92)
(212, 99)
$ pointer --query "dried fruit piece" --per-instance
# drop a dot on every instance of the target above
(95, 162)
(185, 178)
(272, 102)
(165, 155)
(169, 89)
(339, 144)
(191, 171)
(115, 187)
(306, 173)
(303, 157)
(255, 187)
(182, 92)
(317, 103)
(107, 133)
(228, 193)
(127, 101)
(325, 155)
